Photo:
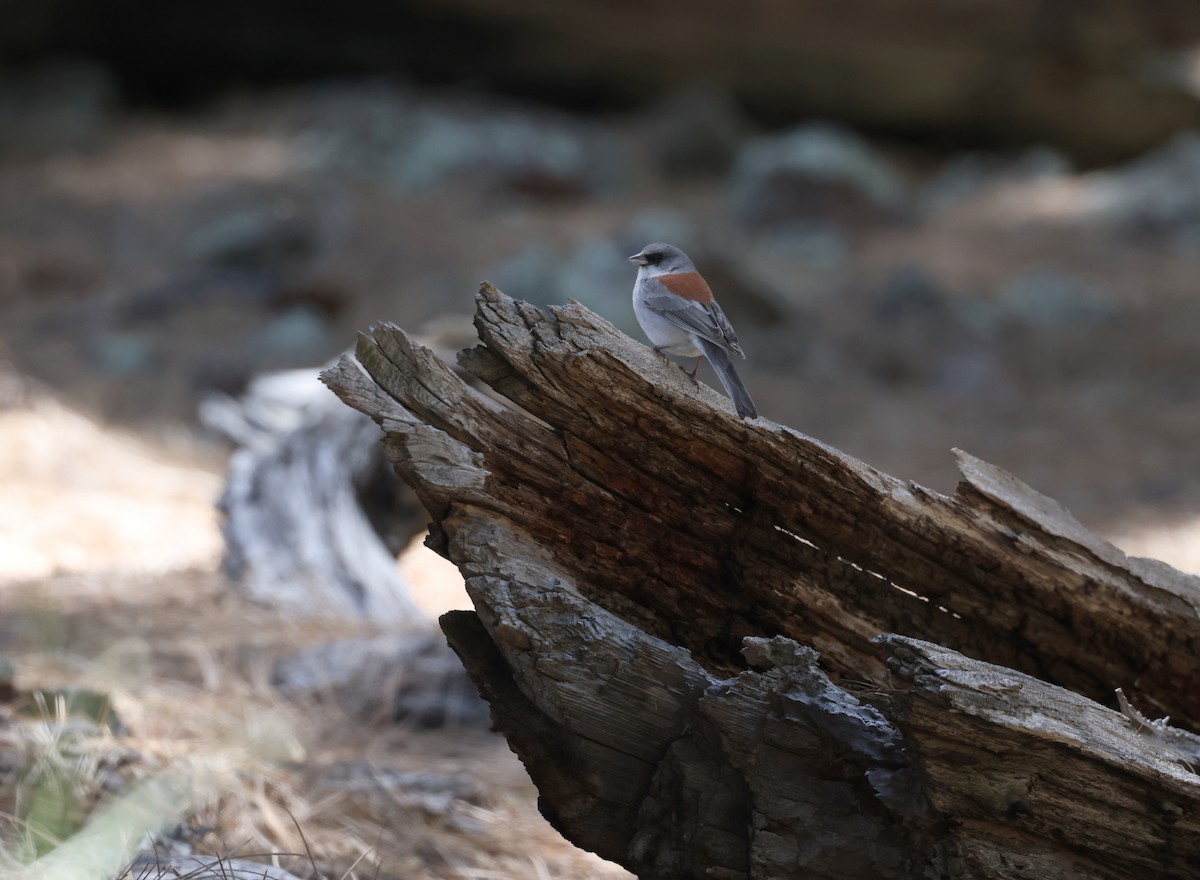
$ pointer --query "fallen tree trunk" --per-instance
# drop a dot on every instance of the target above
(300, 532)
(723, 649)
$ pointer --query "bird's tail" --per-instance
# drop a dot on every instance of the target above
(719, 358)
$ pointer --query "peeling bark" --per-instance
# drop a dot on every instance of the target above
(724, 649)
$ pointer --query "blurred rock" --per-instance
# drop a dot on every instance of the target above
(299, 332)
(408, 677)
(696, 132)
(522, 155)
(417, 142)
(818, 245)
(814, 174)
(915, 332)
(254, 236)
(967, 174)
(61, 104)
(1050, 299)
(430, 790)
(529, 274)
(976, 372)
(329, 297)
(909, 291)
(598, 274)
(435, 691)
(750, 303)
(1158, 194)
(595, 272)
(123, 354)
(660, 223)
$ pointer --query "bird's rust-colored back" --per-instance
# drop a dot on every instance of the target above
(688, 285)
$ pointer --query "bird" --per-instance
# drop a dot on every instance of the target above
(680, 316)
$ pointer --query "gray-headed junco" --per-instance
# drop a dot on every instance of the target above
(679, 315)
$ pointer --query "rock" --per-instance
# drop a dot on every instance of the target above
(1053, 300)
(696, 131)
(530, 273)
(595, 272)
(410, 677)
(598, 274)
(298, 333)
(122, 354)
(660, 223)
(967, 174)
(416, 143)
(1158, 194)
(818, 245)
(428, 790)
(257, 236)
(909, 291)
(813, 174)
(61, 104)
(509, 152)
(915, 332)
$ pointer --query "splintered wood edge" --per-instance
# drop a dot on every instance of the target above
(1037, 775)
(544, 365)
(1046, 513)
(1053, 518)
(1013, 702)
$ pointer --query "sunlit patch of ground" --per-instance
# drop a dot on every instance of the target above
(79, 498)
(109, 581)
(1177, 543)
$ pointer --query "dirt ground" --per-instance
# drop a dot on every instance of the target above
(159, 259)
(110, 582)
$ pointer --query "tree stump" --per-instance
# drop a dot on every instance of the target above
(724, 649)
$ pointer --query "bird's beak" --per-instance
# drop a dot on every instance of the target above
(639, 260)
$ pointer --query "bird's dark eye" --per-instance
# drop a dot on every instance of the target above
(653, 258)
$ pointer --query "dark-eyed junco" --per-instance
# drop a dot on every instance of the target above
(676, 309)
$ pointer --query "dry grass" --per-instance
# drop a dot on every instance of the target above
(213, 760)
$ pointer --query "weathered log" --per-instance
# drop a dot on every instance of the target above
(299, 531)
(651, 576)
(314, 516)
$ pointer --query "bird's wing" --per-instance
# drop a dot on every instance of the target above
(686, 300)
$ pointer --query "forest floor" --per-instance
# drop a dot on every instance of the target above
(110, 582)
(162, 258)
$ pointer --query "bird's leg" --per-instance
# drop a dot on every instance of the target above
(658, 350)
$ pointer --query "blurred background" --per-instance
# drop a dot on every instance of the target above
(934, 224)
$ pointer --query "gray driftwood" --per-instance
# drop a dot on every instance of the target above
(724, 649)
(304, 480)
